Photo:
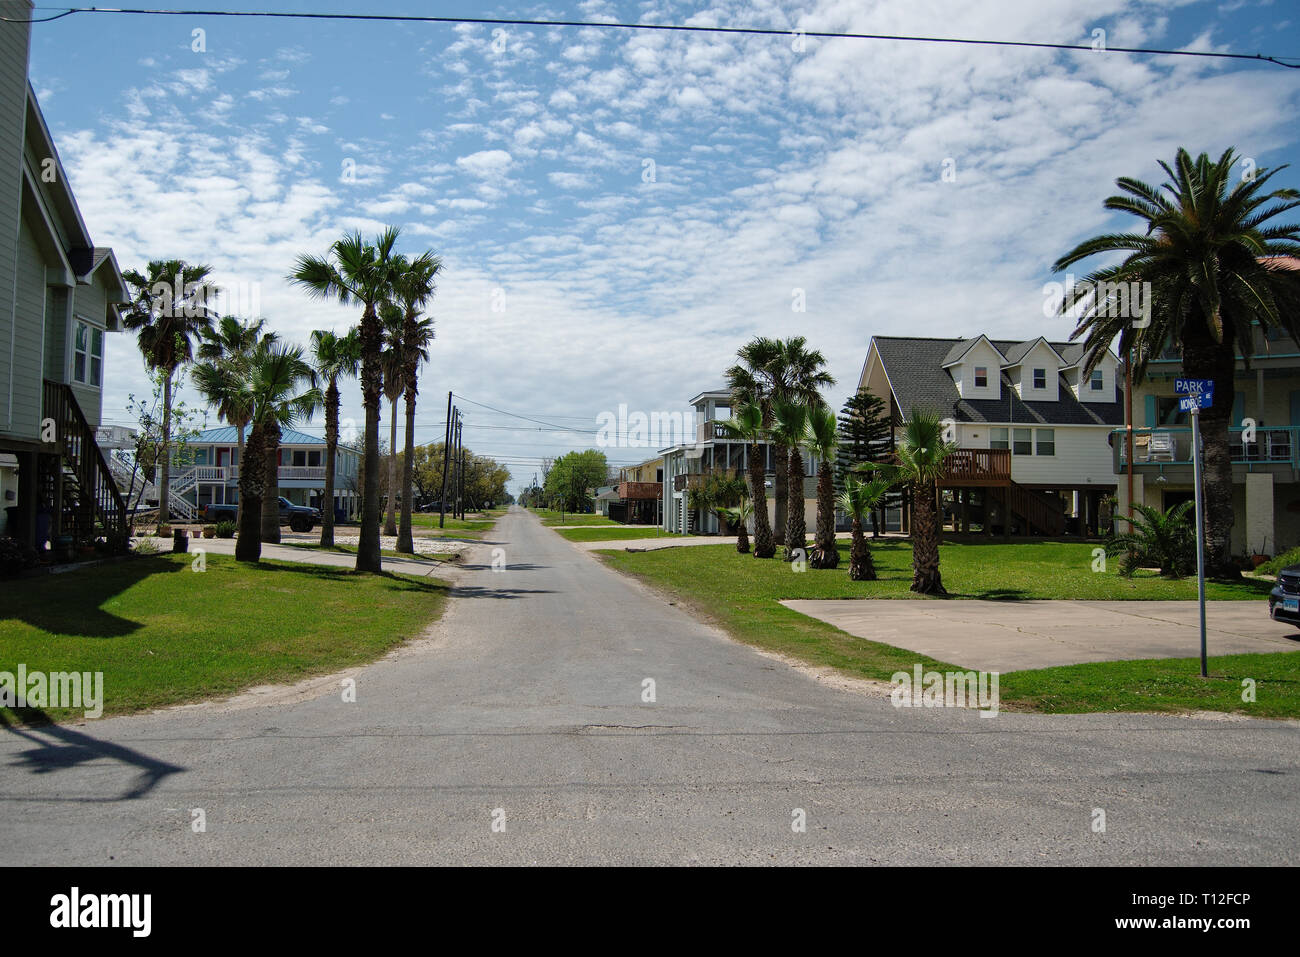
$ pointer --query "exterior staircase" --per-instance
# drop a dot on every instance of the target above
(79, 482)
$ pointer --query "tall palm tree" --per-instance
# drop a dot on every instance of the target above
(919, 461)
(752, 381)
(798, 374)
(354, 271)
(393, 361)
(1213, 270)
(746, 424)
(790, 429)
(823, 439)
(859, 500)
(413, 287)
(229, 342)
(333, 357)
(167, 311)
(280, 389)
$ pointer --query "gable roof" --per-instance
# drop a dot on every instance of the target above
(963, 346)
(916, 373)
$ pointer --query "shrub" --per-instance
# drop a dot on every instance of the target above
(145, 546)
(1280, 562)
(209, 531)
(223, 529)
(1165, 540)
(14, 558)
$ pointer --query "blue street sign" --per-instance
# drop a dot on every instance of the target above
(1194, 386)
(1187, 403)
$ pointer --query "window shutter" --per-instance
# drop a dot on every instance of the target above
(1152, 415)
(1238, 408)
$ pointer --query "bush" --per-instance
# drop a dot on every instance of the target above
(1275, 565)
(223, 529)
(14, 558)
(145, 546)
(1164, 540)
(209, 531)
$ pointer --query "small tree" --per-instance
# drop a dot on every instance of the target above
(858, 500)
(1166, 540)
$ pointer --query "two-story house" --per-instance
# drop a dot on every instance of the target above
(1264, 442)
(59, 300)
(1032, 432)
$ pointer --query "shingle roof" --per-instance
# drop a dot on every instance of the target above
(915, 370)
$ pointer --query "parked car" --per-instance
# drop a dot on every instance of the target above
(300, 518)
(1284, 599)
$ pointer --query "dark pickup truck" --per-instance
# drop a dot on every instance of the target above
(300, 518)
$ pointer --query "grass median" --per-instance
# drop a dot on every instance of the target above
(742, 595)
(163, 634)
(619, 533)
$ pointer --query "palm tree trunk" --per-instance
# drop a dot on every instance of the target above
(861, 566)
(742, 539)
(826, 555)
(372, 378)
(780, 456)
(165, 467)
(270, 517)
(248, 546)
(926, 579)
(390, 520)
(796, 531)
(405, 538)
(239, 438)
(1203, 358)
(331, 456)
(764, 546)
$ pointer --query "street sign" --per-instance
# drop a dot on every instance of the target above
(1194, 386)
(1195, 402)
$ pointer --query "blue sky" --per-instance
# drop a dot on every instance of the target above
(575, 280)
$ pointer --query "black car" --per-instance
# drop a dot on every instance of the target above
(1284, 599)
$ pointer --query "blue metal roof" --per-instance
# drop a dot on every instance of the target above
(226, 436)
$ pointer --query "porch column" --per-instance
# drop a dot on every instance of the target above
(1260, 531)
(27, 482)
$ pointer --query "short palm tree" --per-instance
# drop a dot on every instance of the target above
(413, 287)
(1163, 539)
(920, 461)
(168, 311)
(280, 391)
(355, 271)
(858, 501)
(738, 516)
(333, 357)
(823, 439)
(1215, 269)
(790, 429)
(746, 424)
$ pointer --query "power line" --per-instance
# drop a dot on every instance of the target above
(658, 27)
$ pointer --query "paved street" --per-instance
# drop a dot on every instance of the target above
(527, 698)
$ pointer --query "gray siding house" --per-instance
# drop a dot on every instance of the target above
(59, 299)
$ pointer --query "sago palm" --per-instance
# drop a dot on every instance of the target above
(859, 500)
(1215, 267)
(354, 271)
(823, 439)
(747, 425)
(1166, 540)
(334, 357)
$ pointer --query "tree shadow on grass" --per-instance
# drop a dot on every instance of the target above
(57, 748)
(71, 604)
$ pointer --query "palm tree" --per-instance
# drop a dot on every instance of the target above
(393, 362)
(752, 382)
(229, 343)
(823, 438)
(746, 424)
(739, 517)
(354, 271)
(412, 289)
(860, 499)
(1213, 268)
(798, 375)
(279, 389)
(333, 358)
(168, 309)
(790, 429)
(1165, 539)
(919, 461)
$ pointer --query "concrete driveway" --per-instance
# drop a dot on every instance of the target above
(522, 730)
(1014, 636)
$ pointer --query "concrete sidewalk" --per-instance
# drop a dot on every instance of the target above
(1015, 636)
(309, 556)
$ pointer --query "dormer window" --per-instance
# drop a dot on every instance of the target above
(1040, 379)
(981, 377)
(1096, 382)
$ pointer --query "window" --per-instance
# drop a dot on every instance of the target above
(1046, 442)
(1023, 442)
(1040, 379)
(981, 377)
(1097, 382)
(88, 354)
(998, 439)
(313, 458)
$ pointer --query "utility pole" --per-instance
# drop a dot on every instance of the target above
(460, 471)
(446, 452)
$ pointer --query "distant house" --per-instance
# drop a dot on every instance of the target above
(208, 473)
(59, 301)
(1033, 433)
(637, 498)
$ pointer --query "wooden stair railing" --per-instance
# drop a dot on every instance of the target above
(94, 496)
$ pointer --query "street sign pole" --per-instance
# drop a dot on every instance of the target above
(1200, 524)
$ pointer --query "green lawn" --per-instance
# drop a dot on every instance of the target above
(600, 533)
(385, 552)
(741, 594)
(163, 634)
(475, 526)
(550, 516)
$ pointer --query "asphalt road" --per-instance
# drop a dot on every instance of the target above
(524, 710)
